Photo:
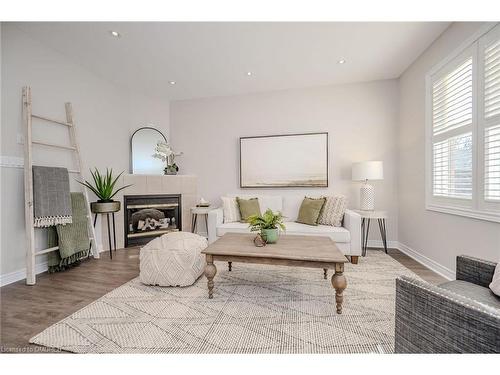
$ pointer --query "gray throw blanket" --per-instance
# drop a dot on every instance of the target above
(51, 199)
(72, 239)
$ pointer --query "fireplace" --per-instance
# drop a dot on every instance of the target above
(150, 216)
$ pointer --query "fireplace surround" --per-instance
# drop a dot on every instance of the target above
(183, 185)
(149, 216)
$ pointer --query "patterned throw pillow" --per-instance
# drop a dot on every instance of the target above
(333, 211)
(231, 210)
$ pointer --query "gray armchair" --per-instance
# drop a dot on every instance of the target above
(460, 316)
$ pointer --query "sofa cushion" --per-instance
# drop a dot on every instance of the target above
(338, 234)
(333, 211)
(232, 228)
(472, 291)
(309, 210)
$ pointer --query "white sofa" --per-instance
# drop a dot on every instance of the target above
(347, 237)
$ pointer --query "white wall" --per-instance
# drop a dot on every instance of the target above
(437, 236)
(361, 120)
(106, 116)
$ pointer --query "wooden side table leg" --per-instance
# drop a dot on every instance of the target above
(325, 273)
(230, 266)
(339, 283)
(210, 271)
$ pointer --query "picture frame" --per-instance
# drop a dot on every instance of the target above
(284, 161)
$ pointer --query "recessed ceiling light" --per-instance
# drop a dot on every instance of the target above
(172, 82)
(249, 73)
(341, 61)
(116, 34)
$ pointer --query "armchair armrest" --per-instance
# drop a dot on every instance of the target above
(352, 222)
(430, 319)
(475, 270)
(215, 218)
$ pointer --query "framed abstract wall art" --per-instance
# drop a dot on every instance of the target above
(277, 161)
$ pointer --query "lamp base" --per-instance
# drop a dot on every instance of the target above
(367, 197)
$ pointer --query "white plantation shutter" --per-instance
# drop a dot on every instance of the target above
(492, 80)
(453, 167)
(463, 130)
(452, 99)
(492, 163)
(491, 121)
(452, 116)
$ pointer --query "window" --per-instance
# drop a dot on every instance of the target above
(463, 131)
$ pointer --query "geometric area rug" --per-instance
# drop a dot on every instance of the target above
(255, 309)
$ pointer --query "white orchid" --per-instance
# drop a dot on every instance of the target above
(164, 152)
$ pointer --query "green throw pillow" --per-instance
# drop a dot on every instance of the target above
(248, 207)
(309, 210)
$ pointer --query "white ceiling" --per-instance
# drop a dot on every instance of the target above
(212, 59)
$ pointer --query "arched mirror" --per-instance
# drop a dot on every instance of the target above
(143, 143)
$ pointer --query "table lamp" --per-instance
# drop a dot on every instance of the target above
(364, 171)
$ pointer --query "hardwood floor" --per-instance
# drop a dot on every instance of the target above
(28, 310)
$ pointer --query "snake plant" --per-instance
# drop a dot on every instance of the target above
(104, 184)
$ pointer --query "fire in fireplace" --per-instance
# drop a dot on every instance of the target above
(150, 216)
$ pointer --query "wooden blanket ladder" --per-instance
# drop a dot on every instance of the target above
(28, 117)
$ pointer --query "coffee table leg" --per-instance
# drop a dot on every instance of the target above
(210, 271)
(325, 273)
(339, 283)
(230, 266)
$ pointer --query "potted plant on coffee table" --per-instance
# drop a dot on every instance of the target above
(268, 224)
(103, 187)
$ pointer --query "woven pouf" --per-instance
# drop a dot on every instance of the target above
(173, 259)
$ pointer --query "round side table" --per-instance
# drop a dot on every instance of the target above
(203, 211)
(366, 216)
(106, 208)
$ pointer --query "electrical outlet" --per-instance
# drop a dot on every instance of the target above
(20, 138)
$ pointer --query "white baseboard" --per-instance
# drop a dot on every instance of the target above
(429, 263)
(12, 277)
(18, 275)
(422, 259)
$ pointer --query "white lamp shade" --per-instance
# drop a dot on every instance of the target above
(368, 170)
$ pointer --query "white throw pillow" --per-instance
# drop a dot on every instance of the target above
(231, 210)
(291, 206)
(495, 283)
(333, 211)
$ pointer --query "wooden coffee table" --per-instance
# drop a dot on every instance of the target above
(297, 251)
